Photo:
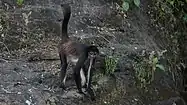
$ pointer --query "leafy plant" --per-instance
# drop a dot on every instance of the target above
(145, 69)
(171, 10)
(172, 16)
(137, 2)
(125, 6)
(128, 3)
(110, 64)
(19, 2)
(185, 17)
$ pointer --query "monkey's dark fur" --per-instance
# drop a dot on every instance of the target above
(76, 53)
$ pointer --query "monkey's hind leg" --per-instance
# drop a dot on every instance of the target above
(83, 73)
(63, 75)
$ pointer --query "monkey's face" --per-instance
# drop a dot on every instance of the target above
(93, 54)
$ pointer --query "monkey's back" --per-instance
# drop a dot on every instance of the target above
(71, 48)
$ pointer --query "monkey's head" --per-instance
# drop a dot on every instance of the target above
(93, 54)
(93, 51)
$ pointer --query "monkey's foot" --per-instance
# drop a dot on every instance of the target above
(84, 86)
(81, 92)
(63, 87)
(93, 98)
(91, 93)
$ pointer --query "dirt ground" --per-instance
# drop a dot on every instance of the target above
(93, 21)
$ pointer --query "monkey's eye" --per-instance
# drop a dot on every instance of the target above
(92, 54)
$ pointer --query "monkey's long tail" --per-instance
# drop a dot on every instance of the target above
(67, 14)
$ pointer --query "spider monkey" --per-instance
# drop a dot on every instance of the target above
(77, 54)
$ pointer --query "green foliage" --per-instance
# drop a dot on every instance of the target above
(129, 3)
(171, 10)
(145, 69)
(172, 16)
(185, 18)
(161, 67)
(19, 2)
(125, 6)
(137, 2)
(110, 64)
